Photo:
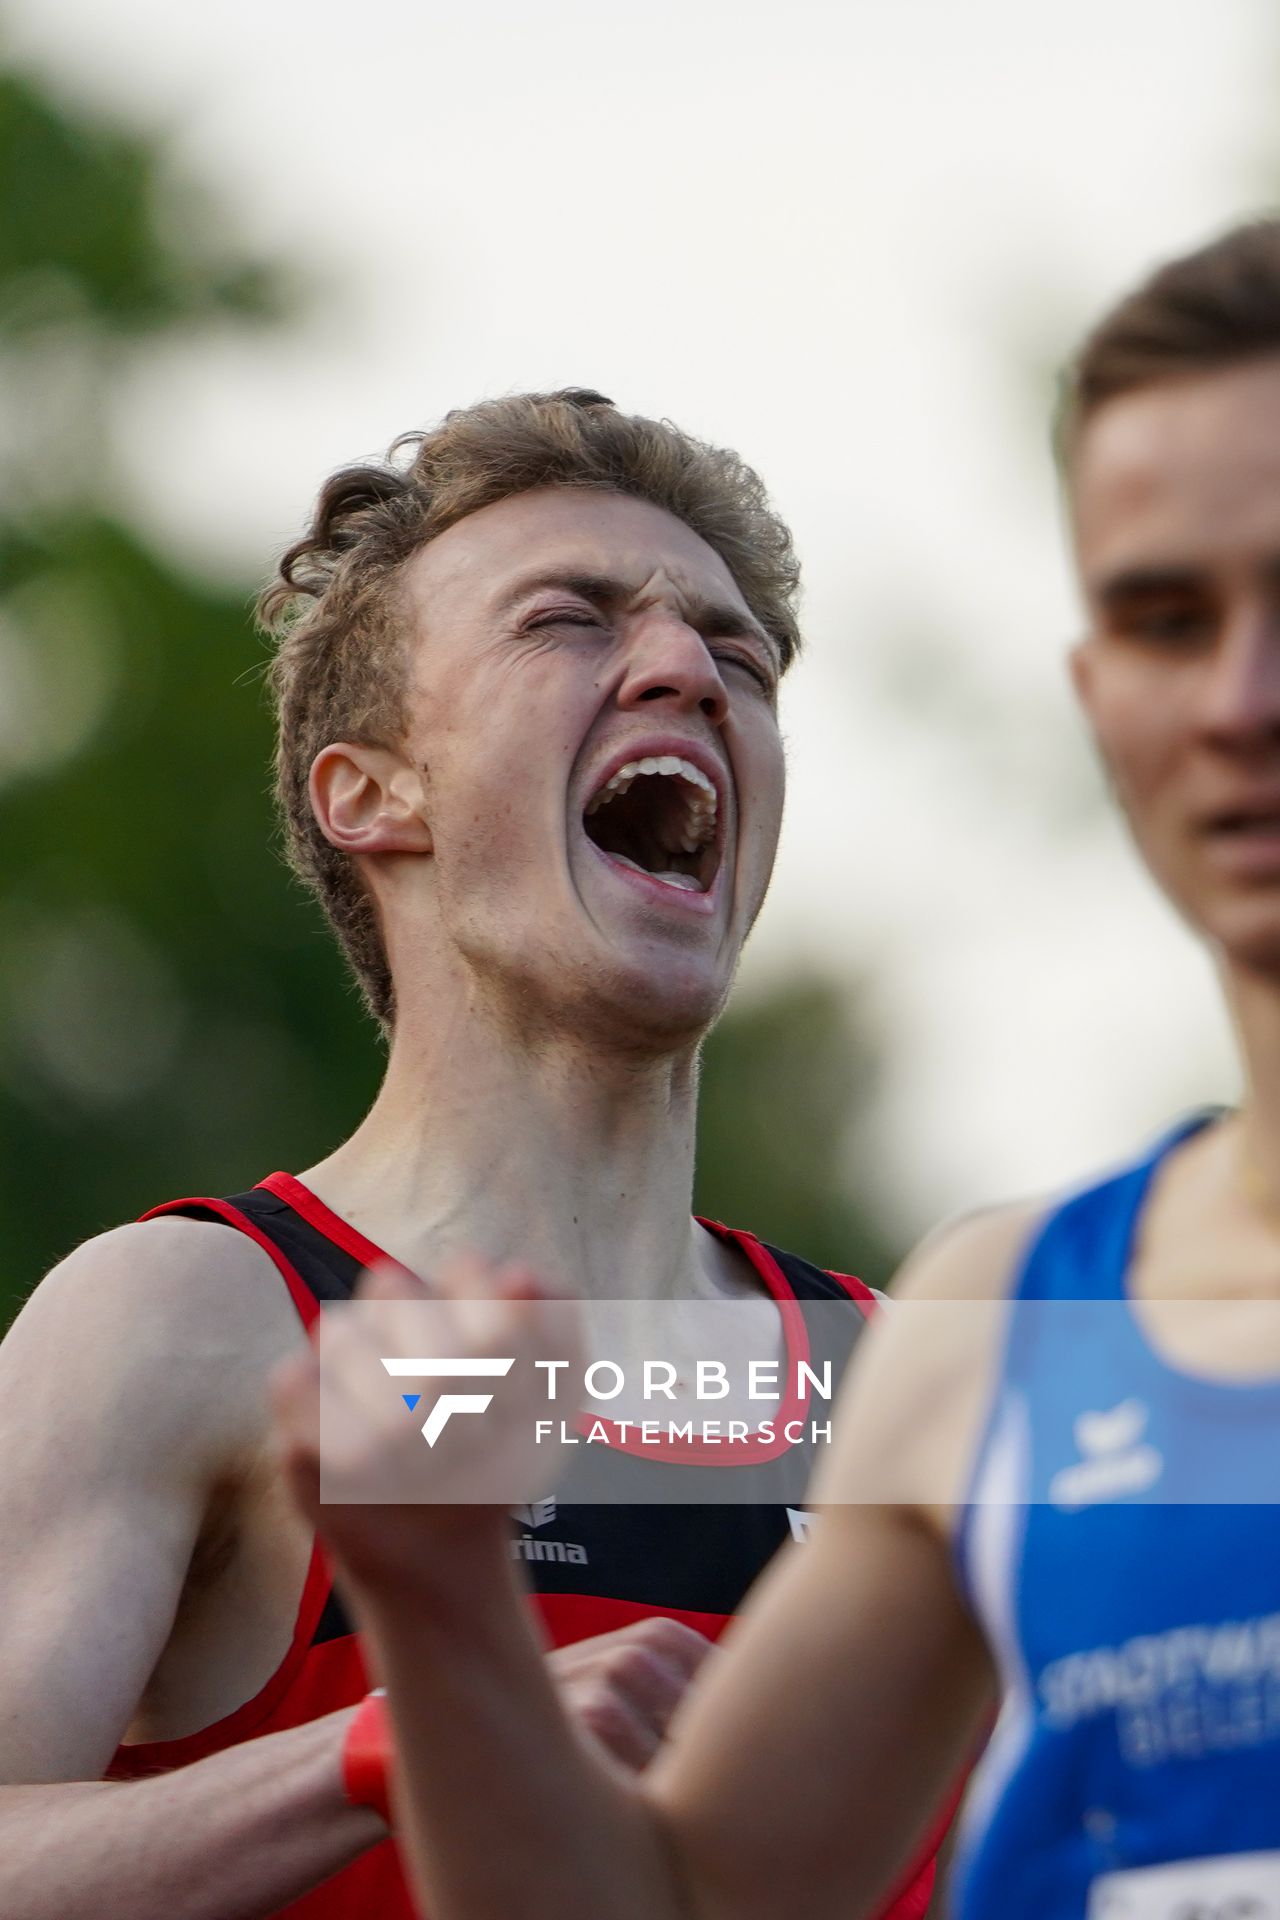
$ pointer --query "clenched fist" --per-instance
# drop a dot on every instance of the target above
(622, 1687)
(384, 1498)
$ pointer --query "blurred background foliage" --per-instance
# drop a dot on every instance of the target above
(173, 1015)
(789, 1080)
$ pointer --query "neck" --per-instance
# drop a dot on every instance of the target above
(551, 1152)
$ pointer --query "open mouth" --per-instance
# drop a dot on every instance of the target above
(658, 815)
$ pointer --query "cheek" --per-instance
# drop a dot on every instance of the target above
(472, 809)
(764, 777)
(1148, 763)
(497, 820)
(1141, 738)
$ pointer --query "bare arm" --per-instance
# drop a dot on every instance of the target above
(233, 1837)
(858, 1685)
(805, 1772)
(571, 1837)
(132, 1375)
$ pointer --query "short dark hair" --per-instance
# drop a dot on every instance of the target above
(1201, 313)
(335, 613)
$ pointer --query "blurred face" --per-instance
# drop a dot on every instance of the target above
(1176, 500)
(593, 709)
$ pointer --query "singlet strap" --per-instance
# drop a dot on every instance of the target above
(1081, 1249)
(206, 1208)
(1084, 1246)
(808, 1282)
(333, 1228)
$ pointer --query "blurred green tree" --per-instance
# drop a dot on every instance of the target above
(789, 1079)
(172, 1012)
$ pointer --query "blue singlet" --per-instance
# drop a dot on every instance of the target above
(1134, 1773)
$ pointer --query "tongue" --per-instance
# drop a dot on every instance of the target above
(685, 881)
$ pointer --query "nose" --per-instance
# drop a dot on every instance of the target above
(1241, 698)
(669, 664)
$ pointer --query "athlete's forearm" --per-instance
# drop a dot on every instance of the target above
(500, 1805)
(232, 1837)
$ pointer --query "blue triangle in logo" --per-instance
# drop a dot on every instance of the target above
(411, 1400)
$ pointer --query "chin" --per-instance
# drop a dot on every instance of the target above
(660, 1008)
(1246, 937)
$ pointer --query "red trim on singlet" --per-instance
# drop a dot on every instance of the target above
(299, 1292)
(773, 1276)
(796, 1336)
(157, 1756)
(326, 1221)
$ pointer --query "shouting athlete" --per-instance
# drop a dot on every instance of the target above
(1083, 1527)
(529, 760)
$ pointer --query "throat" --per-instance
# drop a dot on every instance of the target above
(567, 1155)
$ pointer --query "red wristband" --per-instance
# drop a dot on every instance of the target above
(366, 1756)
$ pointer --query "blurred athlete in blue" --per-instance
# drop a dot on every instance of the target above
(1133, 1641)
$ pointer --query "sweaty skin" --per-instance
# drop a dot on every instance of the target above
(798, 1774)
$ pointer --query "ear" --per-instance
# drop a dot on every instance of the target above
(369, 800)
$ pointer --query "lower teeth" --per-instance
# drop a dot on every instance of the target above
(685, 881)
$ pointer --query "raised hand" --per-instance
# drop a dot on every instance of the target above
(377, 1492)
(621, 1688)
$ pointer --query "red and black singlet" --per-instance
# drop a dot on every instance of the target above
(590, 1568)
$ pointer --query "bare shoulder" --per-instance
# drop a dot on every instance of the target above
(192, 1269)
(973, 1257)
(132, 1385)
(179, 1318)
(919, 1386)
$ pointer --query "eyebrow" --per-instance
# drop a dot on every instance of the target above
(603, 590)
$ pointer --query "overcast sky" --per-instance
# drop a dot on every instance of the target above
(849, 239)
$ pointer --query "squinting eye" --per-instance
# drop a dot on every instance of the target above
(730, 658)
(567, 617)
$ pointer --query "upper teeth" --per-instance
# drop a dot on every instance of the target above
(701, 818)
